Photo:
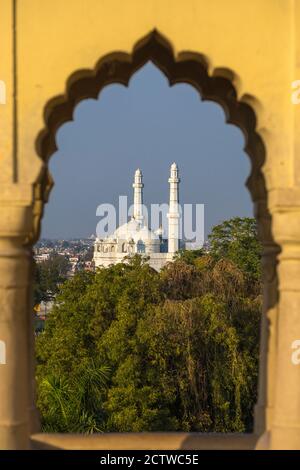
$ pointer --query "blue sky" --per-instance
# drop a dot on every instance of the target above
(147, 125)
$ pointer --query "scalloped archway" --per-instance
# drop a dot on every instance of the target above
(187, 67)
(216, 85)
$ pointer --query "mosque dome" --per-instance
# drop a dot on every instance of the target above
(136, 231)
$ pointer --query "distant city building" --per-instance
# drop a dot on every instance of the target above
(88, 265)
(44, 308)
(42, 257)
(135, 237)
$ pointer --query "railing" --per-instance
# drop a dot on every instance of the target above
(144, 441)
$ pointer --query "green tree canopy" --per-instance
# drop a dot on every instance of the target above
(236, 240)
(49, 274)
(131, 349)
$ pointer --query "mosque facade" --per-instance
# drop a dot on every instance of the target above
(135, 237)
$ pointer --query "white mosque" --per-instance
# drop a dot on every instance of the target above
(135, 237)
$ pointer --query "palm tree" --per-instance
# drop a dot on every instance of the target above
(74, 405)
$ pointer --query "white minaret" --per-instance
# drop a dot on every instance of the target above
(174, 213)
(138, 196)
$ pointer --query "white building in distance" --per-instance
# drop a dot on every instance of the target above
(135, 237)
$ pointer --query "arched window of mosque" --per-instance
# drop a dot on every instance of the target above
(140, 246)
(124, 248)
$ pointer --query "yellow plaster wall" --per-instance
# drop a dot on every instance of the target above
(252, 38)
(42, 43)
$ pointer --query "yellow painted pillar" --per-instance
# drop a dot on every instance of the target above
(285, 427)
(268, 331)
(15, 261)
(14, 416)
(34, 418)
(268, 338)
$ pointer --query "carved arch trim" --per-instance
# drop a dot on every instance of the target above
(119, 67)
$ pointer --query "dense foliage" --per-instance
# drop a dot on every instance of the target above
(130, 349)
(48, 276)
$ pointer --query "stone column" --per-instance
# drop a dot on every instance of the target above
(34, 418)
(15, 261)
(285, 432)
(268, 330)
(268, 334)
